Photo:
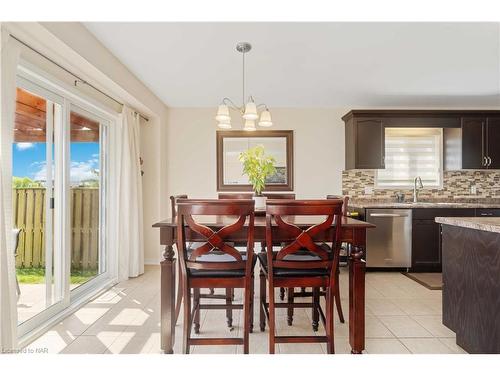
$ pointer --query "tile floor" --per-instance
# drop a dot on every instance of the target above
(401, 317)
(32, 300)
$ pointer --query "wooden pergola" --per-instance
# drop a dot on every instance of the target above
(30, 121)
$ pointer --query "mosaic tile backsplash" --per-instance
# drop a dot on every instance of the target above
(456, 184)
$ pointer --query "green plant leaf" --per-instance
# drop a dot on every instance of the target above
(257, 166)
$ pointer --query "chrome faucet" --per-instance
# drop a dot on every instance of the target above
(416, 189)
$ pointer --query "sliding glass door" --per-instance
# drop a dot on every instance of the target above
(36, 192)
(88, 258)
(59, 194)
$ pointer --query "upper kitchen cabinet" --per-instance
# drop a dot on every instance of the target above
(473, 143)
(493, 142)
(480, 140)
(364, 143)
(365, 132)
(478, 132)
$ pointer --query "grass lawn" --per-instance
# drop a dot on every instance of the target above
(37, 276)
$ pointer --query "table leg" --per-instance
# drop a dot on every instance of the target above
(167, 293)
(357, 300)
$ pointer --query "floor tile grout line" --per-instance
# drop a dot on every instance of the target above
(407, 348)
(409, 337)
(432, 335)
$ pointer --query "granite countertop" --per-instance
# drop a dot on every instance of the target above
(456, 203)
(488, 224)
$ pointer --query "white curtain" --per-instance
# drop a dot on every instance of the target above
(10, 52)
(129, 221)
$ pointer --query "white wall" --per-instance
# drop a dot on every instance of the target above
(318, 150)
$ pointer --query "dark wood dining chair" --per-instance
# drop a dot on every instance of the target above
(16, 232)
(173, 203)
(279, 195)
(250, 195)
(235, 195)
(338, 301)
(228, 296)
(263, 244)
(300, 263)
(173, 207)
(216, 264)
(317, 293)
(345, 202)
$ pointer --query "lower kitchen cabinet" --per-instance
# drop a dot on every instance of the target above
(426, 254)
(492, 212)
(426, 237)
(426, 246)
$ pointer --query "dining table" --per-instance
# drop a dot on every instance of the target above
(353, 232)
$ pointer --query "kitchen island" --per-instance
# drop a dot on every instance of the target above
(471, 281)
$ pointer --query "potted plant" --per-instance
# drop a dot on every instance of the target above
(257, 166)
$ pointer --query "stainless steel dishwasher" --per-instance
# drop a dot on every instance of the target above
(389, 244)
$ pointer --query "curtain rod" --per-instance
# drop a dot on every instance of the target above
(78, 79)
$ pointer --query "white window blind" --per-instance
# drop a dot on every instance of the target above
(411, 152)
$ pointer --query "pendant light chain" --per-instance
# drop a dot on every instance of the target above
(243, 98)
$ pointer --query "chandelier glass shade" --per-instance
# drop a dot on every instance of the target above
(249, 125)
(249, 111)
(223, 114)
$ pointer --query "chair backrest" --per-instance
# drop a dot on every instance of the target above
(214, 240)
(301, 239)
(173, 203)
(15, 239)
(235, 195)
(250, 195)
(345, 199)
(279, 195)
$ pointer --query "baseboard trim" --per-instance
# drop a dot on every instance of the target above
(152, 262)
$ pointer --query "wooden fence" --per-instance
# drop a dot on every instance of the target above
(29, 216)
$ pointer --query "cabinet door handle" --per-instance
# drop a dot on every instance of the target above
(489, 161)
(486, 214)
(484, 161)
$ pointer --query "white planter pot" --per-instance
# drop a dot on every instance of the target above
(260, 202)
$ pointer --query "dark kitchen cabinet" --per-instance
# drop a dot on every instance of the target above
(365, 147)
(480, 140)
(426, 240)
(493, 142)
(426, 236)
(473, 143)
(479, 131)
(485, 212)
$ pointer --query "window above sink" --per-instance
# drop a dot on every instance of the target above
(412, 152)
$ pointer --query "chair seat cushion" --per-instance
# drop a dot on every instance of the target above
(193, 245)
(301, 255)
(214, 257)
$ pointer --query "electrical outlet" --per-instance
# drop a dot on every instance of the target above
(368, 190)
(473, 189)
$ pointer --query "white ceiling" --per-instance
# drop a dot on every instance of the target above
(313, 64)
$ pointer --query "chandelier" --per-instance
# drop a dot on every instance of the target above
(249, 111)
